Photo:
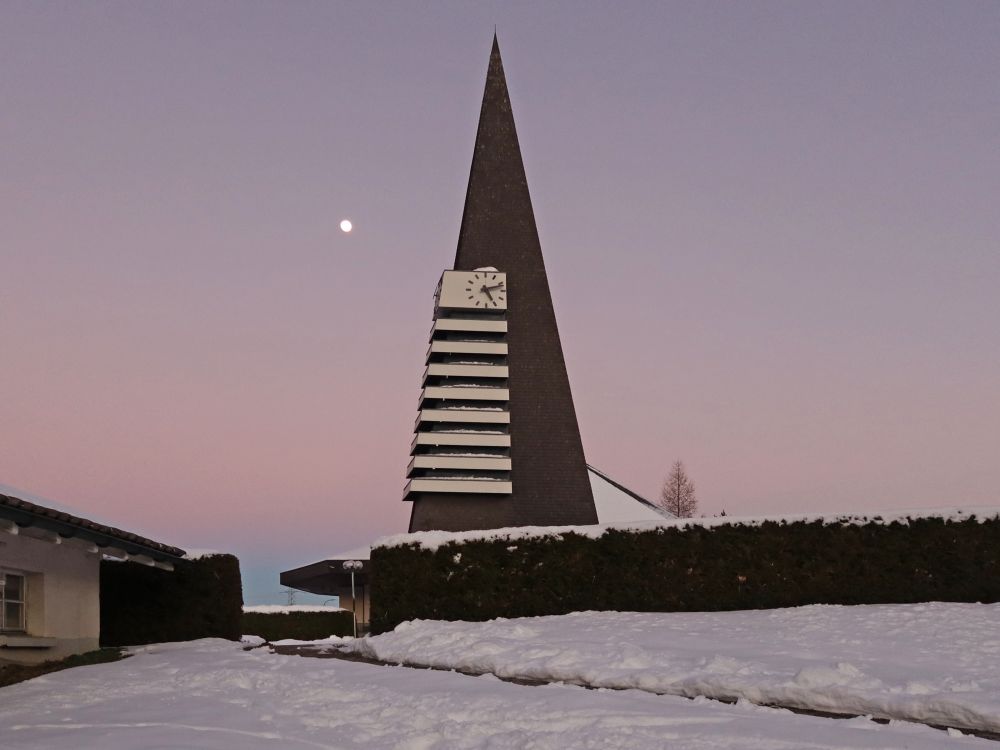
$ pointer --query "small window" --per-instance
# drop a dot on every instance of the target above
(11, 601)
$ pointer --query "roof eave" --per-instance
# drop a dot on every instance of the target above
(69, 530)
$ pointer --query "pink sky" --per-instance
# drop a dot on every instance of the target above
(771, 232)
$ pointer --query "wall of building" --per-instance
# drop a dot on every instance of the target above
(363, 606)
(62, 596)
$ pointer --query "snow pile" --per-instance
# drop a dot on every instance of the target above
(319, 644)
(284, 609)
(431, 540)
(936, 663)
(213, 695)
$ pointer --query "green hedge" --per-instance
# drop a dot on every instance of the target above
(199, 599)
(694, 568)
(304, 626)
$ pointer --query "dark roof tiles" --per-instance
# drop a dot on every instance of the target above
(43, 513)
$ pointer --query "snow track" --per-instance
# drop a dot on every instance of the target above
(213, 695)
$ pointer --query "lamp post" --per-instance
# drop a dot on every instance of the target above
(353, 565)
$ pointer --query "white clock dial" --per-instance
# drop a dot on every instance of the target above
(485, 289)
(482, 289)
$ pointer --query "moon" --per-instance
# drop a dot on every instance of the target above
(346, 226)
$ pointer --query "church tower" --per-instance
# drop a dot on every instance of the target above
(497, 442)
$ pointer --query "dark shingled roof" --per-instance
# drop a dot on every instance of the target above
(29, 514)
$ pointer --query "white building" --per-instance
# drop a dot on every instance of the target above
(50, 563)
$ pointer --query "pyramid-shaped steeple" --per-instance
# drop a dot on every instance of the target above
(549, 473)
(498, 214)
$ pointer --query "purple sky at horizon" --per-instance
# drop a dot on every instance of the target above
(771, 231)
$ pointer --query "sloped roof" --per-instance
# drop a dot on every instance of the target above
(642, 509)
(28, 514)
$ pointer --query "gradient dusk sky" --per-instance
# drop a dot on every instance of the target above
(772, 232)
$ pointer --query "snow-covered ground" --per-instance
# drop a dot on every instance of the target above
(937, 663)
(212, 695)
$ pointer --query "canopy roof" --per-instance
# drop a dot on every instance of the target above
(328, 577)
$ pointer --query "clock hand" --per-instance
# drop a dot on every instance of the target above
(487, 290)
(496, 286)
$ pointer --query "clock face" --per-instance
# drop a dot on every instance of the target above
(486, 289)
(483, 289)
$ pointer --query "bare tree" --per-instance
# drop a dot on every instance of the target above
(677, 495)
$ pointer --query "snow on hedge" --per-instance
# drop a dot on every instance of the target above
(937, 663)
(284, 609)
(431, 540)
(212, 695)
(198, 554)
